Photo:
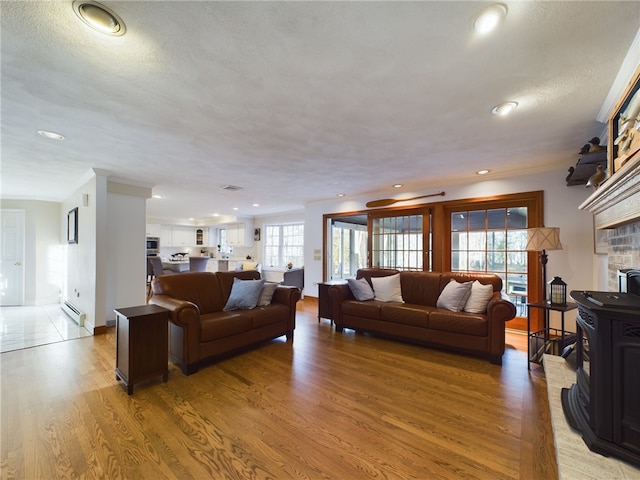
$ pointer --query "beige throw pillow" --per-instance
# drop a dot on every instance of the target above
(387, 289)
(454, 296)
(479, 298)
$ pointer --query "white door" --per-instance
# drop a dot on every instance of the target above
(12, 258)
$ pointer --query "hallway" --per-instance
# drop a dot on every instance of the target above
(25, 327)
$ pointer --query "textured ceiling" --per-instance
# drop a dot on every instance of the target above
(299, 101)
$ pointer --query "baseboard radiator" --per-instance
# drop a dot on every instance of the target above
(74, 312)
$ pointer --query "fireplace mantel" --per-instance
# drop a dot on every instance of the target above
(617, 201)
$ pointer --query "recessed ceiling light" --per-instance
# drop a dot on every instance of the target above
(51, 135)
(340, 195)
(482, 172)
(397, 185)
(504, 108)
(489, 18)
(156, 196)
(216, 214)
(235, 208)
(256, 204)
(99, 17)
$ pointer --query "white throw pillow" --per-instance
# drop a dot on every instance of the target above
(479, 298)
(387, 289)
(454, 296)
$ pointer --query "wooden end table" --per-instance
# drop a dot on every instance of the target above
(142, 344)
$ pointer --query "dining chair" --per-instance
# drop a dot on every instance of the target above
(198, 264)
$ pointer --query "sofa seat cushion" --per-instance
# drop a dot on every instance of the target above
(274, 313)
(406, 314)
(457, 322)
(224, 324)
(369, 309)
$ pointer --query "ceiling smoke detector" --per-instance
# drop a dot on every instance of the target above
(231, 188)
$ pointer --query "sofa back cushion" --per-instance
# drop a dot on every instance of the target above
(201, 288)
(375, 272)
(420, 288)
(461, 277)
(225, 281)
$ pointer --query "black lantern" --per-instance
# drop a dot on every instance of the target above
(557, 292)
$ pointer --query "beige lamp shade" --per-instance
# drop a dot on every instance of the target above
(543, 238)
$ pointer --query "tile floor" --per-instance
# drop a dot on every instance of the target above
(24, 327)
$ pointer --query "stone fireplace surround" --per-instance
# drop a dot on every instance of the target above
(616, 207)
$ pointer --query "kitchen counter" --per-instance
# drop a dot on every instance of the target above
(176, 265)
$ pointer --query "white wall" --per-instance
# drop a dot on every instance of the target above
(576, 263)
(126, 251)
(106, 269)
(43, 250)
(79, 284)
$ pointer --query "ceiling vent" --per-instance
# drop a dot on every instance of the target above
(231, 188)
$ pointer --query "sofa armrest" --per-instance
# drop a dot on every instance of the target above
(186, 315)
(338, 294)
(499, 310)
(286, 295)
(289, 297)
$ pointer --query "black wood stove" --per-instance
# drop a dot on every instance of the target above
(604, 403)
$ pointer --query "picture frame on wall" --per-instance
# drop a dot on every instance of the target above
(624, 145)
(72, 226)
(256, 234)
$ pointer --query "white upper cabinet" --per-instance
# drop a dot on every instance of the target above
(182, 236)
(165, 236)
(236, 234)
(153, 229)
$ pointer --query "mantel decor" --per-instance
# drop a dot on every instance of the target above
(72, 226)
(617, 200)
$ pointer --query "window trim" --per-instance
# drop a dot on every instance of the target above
(281, 258)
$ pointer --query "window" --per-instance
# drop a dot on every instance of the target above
(284, 244)
(493, 241)
(349, 246)
(397, 242)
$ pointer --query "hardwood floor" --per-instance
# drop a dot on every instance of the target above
(329, 405)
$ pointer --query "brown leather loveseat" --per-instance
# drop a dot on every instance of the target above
(419, 320)
(199, 329)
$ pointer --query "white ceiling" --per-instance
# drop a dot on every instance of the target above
(299, 101)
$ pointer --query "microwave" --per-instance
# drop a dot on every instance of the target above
(153, 245)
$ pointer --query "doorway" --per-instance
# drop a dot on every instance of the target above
(12, 257)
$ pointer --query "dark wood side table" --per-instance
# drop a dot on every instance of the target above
(325, 304)
(546, 340)
(142, 344)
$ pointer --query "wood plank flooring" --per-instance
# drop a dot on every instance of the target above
(327, 406)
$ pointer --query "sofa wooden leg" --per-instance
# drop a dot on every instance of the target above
(495, 359)
(339, 328)
(189, 369)
(290, 336)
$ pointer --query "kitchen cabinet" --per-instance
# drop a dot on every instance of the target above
(182, 236)
(236, 233)
(212, 265)
(201, 237)
(153, 229)
(165, 236)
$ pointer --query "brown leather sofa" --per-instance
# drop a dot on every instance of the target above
(418, 320)
(200, 331)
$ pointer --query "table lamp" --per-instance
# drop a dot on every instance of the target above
(541, 239)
